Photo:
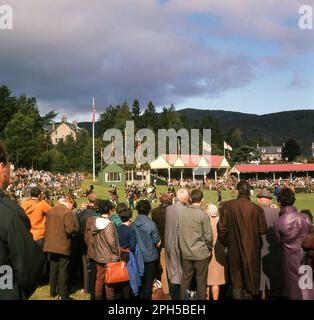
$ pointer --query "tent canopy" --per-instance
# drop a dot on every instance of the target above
(189, 161)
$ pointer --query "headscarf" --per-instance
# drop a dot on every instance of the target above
(212, 210)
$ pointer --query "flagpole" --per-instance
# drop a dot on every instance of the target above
(224, 150)
(100, 159)
(94, 175)
(125, 145)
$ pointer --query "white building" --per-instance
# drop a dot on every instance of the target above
(272, 153)
(59, 131)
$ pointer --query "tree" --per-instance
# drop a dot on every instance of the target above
(28, 106)
(8, 107)
(245, 154)
(48, 118)
(217, 141)
(136, 111)
(69, 149)
(150, 117)
(254, 141)
(24, 140)
(122, 116)
(78, 153)
(169, 118)
(163, 118)
(59, 162)
(234, 137)
(290, 150)
(107, 119)
(185, 121)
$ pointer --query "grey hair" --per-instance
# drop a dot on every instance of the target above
(182, 194)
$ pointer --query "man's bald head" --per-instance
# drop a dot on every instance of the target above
(183, 195)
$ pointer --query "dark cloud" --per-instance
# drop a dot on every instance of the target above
(66, 52)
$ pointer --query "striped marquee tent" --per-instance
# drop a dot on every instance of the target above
(199, 164)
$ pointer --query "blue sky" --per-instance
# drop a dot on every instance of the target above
(239, 55)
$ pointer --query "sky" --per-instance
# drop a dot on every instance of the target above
(236, 55)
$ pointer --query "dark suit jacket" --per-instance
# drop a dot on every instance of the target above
(159, 217)
(19, 251)
(240, 227)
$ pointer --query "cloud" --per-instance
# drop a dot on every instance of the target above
(264, 20)
(65, 52)
(298, 82)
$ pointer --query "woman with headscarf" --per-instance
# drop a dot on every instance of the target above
(217, 266)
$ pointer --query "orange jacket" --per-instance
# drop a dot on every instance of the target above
(36, 211)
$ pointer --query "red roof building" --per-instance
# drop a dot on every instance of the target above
(273, 168)
(195, 162)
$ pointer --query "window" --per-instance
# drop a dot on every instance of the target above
(279, 150)
(114, 177)
(128, 175)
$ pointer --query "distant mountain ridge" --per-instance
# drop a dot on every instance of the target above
(273, 127)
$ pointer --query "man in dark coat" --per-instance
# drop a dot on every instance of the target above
(87, 210)
(18, 251)
(60, 226)
(239, 229)
(271, 273)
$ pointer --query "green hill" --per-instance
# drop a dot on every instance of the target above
(275, 128)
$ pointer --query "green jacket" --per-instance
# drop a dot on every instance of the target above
(195, 234)
(115, 218)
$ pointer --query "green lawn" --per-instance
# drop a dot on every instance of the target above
(304, 201)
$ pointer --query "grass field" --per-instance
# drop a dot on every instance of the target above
(303, 201)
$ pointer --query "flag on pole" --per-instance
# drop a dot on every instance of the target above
(206, 147)
(227, 146)
(138, 151)
(101, 159)
(93, 111)
(112, 147)
(93, 121)
(139, 145)
(179, 146)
